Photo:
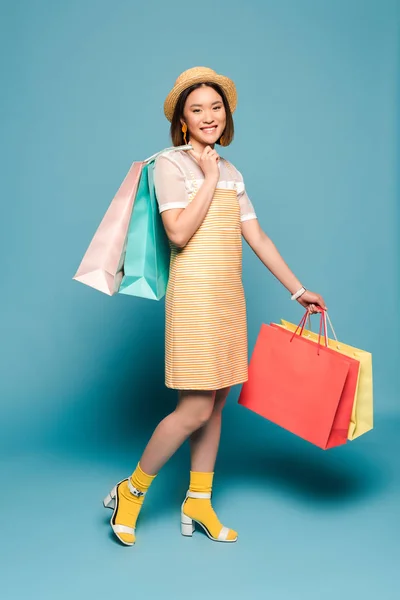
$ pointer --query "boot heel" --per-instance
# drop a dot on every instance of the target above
(187, 525)
(109, 500)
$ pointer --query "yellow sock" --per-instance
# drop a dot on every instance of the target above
(129, 505)
(200, 509)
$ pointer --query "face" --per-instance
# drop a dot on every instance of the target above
(204, 115)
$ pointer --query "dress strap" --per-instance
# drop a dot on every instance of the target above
(230, 168)
(239, 185)
(194, 180)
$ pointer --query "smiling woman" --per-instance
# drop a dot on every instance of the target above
(205, 211)
(203, 97)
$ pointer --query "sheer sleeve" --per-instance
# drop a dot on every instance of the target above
(247, 211)
(169, 183)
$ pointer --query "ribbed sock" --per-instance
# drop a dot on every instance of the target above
(200, 509)
(129, 505)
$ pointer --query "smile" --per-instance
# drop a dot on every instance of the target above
(209, 129)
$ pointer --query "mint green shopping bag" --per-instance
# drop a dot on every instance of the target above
(147, 258)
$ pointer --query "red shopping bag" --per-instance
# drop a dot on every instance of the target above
(304, 387)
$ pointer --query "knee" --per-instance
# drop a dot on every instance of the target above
(200, 417)
(194, 419)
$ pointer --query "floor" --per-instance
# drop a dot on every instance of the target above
(312, 524)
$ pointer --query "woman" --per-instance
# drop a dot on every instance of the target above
(205, 211)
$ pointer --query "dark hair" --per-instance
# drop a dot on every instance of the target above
(176, 125)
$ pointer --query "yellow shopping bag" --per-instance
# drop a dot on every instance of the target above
(362, 414)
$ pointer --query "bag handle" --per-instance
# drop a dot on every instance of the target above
(170, 149)
(330, 324)
(322, 322)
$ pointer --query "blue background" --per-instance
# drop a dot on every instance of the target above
(82, 374)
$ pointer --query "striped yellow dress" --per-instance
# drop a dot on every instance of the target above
(206, 329)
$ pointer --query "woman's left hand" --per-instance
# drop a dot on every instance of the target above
(313, 302)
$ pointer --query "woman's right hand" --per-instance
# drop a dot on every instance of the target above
(208, 162)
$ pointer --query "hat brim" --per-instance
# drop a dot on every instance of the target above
(225, 84)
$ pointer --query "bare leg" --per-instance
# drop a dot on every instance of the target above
(204, 448)
(204, 442)
(194, 409)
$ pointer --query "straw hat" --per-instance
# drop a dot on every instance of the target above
(199, 75)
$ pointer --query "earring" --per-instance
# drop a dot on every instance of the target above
(222, 141)
(184, 130)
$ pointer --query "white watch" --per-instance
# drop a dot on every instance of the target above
(299, 293)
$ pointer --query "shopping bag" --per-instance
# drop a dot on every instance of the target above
(304, 387)
(101, 266)
(147, 257)
(362, 413)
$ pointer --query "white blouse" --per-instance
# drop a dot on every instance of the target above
(177, 176)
